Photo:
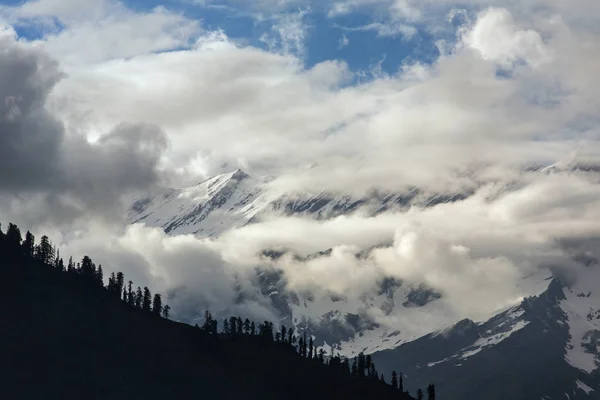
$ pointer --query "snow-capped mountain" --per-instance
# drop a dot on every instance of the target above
(232, 200)
(545, 348)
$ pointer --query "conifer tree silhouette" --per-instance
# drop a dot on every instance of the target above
(139, 298)
(431, 392)
(147, 300)
(28, 245)
(156, 303)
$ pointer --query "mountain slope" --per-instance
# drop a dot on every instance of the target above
(232, 200)
(544, 348)
(67, 338)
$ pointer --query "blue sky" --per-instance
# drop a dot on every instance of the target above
(341, 37)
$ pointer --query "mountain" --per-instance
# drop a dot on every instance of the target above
(66, 336)
(235, 199)
(231, 200)
(215, 205)
(545, 348)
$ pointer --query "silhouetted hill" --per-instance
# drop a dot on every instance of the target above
(66, 337)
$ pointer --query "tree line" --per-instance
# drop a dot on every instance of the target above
(360, 367)
(46, 253)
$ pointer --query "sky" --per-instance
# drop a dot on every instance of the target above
(103, 100)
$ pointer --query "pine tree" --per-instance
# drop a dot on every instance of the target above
(310, 347)
(45, 253)
(382, 378)
(300, 346)
(156, 303)
(304, 344)
(240, 326)
(70, 266)
(354, 369)
(120, 283)
(166, 310)
(112, 283)
(147, 300)
(252, 328)
(130, 294)
(208, 321)
(361, 364)
(139, 297)
(431, 392)
(28, 245)
(283, 333)
(419, 394)
(61, 265)
(291, 335)
(13, 237)
(321, 356)
(100, 276)
(401, 383)
(232, 325)
(87, 269)
(394, 380)
(247, 326)
(226, 326)
(208, 318)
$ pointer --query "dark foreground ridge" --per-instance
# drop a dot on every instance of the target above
(65, 335)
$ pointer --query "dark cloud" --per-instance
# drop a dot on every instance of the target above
(37, 156)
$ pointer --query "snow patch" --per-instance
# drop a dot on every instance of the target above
(581, 308)
(584, 387)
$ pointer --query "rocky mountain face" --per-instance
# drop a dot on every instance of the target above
(545, 348)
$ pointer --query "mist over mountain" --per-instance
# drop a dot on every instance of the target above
(372, 172)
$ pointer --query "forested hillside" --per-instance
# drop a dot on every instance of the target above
(66, 335)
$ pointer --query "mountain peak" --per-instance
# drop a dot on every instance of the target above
(239, 175)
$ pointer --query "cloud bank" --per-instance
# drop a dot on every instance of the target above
(512, 90)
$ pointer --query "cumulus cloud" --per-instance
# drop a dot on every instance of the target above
(496, 37)
(37, 155)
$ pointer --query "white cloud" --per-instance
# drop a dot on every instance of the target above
(344, 41)
(497, 38)
(390, 29)
(445, 126)
(288, 33)
(94, 31)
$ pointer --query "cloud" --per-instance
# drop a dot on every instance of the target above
(496, 37)
(385, 29)
(478, 253)
(344, 41)
(460, 123)
(37, 155)
(115, 30)
(289, 32)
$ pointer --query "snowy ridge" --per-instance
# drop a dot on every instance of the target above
(232, 200)
(582, 310)
(496, 330)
